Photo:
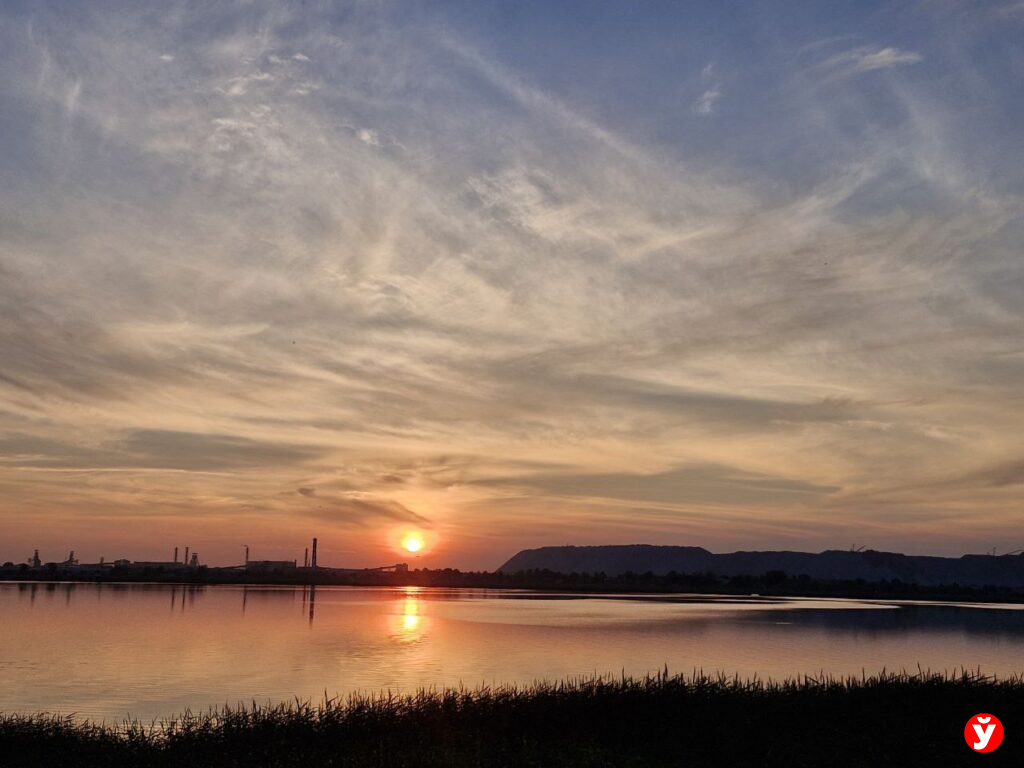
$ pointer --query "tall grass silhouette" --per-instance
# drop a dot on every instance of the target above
(892, 718)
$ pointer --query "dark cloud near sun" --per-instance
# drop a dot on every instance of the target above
(361, 511)
(699, 485)
(155, 449)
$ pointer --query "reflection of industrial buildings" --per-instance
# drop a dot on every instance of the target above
(189, 566)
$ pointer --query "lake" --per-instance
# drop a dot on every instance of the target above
(107, 652)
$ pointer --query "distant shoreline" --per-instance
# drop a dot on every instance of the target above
(768, 585)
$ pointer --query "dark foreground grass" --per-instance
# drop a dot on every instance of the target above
(696, 720)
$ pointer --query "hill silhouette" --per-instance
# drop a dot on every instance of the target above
(868, 565)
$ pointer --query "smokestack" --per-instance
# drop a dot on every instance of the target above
(305, 560)
(246, 555)
(185, 561)
(313, 563)
(175, 554)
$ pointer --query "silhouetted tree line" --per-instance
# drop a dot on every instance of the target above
(771, 583)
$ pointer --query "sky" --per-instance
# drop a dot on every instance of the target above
(725, 274)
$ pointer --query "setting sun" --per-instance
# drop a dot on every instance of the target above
(412, 542)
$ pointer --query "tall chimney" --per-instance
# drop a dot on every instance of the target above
(246, 555)
(313, 563)
(185, 561)
(175, 554)
(305, 560)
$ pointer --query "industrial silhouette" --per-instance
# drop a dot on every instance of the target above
(188, 565)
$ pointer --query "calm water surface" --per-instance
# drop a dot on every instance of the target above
(109, 651)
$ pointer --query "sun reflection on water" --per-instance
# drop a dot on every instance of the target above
(410, 620)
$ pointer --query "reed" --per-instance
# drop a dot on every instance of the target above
(892, 718)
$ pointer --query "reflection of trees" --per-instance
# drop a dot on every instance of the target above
(905, 619)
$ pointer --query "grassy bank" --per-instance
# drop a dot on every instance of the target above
(890, 719)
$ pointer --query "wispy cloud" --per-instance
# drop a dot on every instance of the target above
(1013, 10)
(368, 136)
(867, 59)
(706, 102)
(401, 279)
(705, 105)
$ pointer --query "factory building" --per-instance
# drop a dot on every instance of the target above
(271, 566)
(163, 565)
